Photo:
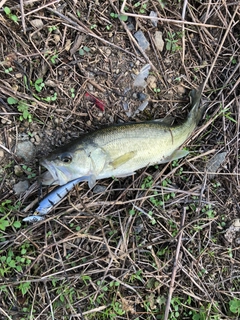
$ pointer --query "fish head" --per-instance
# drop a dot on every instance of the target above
(67, 165)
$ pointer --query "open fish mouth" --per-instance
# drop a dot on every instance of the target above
(50, 176)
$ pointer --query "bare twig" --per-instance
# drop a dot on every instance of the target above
(22, 16)
(175, 267)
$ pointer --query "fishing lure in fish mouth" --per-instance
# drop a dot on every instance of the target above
(51, 200)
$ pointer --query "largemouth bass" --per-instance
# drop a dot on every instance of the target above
(120, 150)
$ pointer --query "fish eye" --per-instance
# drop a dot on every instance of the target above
(66, 158)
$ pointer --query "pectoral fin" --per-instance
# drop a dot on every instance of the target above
(122, 159)
(179, 154)
(91, 181)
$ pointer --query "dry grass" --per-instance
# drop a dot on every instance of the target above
(151, 246)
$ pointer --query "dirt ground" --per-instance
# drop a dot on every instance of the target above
(161, 244)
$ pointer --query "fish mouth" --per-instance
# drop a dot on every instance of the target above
(51, 176)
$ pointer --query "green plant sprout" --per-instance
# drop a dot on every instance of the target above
(235, 306)
(172, 41)
(142, 7)
(24, 287)
(123, 17)
(84, 50)
(113, 15)
(22, 107)
(8, 70)
(39, 84)
(51, 98)
(147, 182)
(227, 114)
(52, 28)
(72, 91)
(208, 211)
(9, 14)
(29, 172)
(54, 58)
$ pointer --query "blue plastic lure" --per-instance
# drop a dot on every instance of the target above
(51, 200)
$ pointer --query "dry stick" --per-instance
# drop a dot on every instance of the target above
(220, 47)
(165, 20)
(4, 313)
(171, 288)
(183, 30)
(2, 3)
(23, 16)
(237, 143)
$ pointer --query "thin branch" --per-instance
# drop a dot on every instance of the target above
(175, 267)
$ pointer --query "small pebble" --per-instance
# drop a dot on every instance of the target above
(50, 83)
(37, 23)
(99, 188)
(141, 39)
(159, 40)
(21, 187)
(141, 96)
(153, 14)
(18, 170)
(56, 38)
(18, 75)
(6, 121)
(181, 89)
(25, 150)
(152, 81)
(130, 26)
(37, 139)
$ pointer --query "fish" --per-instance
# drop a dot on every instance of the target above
(122, 149)
(51, 200)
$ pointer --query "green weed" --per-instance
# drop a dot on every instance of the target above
(172, 41)
(207, 209)
(142, 7)
(235, 306)
(147, 182)
(22, 107)
(39, 84)
(29, 172)
(12, 262)
(84, 50)
(52, 28)
(227, 114)
(113, 15)
(8, 70)
(9, 14)
(72, 91)
(51, 98)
